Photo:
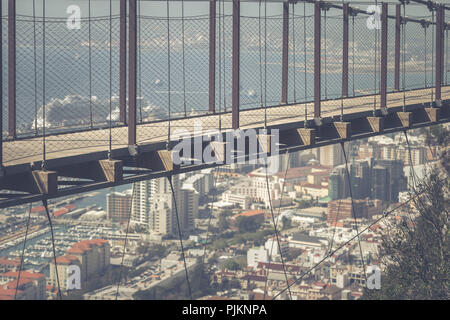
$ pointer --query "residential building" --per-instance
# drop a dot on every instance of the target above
(118, 206)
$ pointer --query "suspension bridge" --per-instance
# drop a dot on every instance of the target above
(76, 114)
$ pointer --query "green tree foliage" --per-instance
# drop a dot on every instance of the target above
(247, 224)
(231, 264)
(152, 251)
(438, 135)
(416, 251)
(223, 222)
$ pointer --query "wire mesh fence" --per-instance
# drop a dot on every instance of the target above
(82, 75)
(301, 62)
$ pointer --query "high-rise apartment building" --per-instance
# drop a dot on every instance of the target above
(156, 208)
(118, 206)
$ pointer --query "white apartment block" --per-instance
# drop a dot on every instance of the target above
(256, 255)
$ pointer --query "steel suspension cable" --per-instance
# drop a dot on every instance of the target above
(375, 65)
(139, 59)
(43, 165)
(220, 65)
(353, 53)
(180, 235)
(90, 63)
(45, 203)
(265, 64)
(385, 214)
(223, 58)
(342, 95)
(23, 247)
(168, 69)
(183, 58)
(110, 81)
(426, 54)
(36, 131)
(260, 56)
(305, 57)
(432, 53)
(294, 51)
(125, 240)
(335, 225)
(411, 164)
(275, 224)
(404, 57)
(325, 53)
(211, 205)
(353, 208)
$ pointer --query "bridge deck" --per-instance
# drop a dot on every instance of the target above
(26, 151)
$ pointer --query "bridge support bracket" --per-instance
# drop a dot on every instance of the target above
(299, 136)
(307, 135)
(46, 181)
(34, 182)
(433, 114)
(112, 169)
(376, 123)
(343, 129)
(405, 118)
(161, 160)
(101, 170)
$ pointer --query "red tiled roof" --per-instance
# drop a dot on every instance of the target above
(7, 262)
(38, 209)
(85, 245)
(23, 274)
(14, 283)
(67, 259)
(251, 213)
(70, 207)
(8, 294)
(60, 212)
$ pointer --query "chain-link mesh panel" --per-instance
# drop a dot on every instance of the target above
(416, 60)
(224, 65)
(364, 68)
(331, 52)
(70, 77)
(301, 88)
(332, 33)
(391, 56)
(261, 67)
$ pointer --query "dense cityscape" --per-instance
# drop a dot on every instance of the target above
(226, 216)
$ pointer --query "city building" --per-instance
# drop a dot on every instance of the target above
(256, 255)
(118, 206)
(343, 209)
(91, 256)
(31, 285)
(155, 207)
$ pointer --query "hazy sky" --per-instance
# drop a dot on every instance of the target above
(57, 8)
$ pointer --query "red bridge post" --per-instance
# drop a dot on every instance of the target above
(440, 16)
(235, 62)
(398, 19)
(384, 39)
(212, 56)
(285, 61)
(123, 61)
(132, 74)
(345, 51)
(317, 57)
(1, 89)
